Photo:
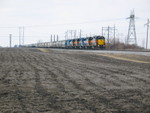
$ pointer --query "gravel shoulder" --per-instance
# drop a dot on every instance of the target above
(51, 81)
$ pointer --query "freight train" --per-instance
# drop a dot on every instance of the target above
(95, 42)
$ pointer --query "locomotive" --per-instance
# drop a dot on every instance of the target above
(95, 42)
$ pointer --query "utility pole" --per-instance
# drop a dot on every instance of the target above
(70, 34)
(80, 34)
(10, 38)
(108, 35)
(19, 36)
(147, 24)
(22, 35)
(108, 30)
(66, 33)
(75, 31)
(114, 34)
(51, 38)
(57, 37)
(54, 38)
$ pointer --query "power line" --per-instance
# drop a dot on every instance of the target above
(28, 36)
(9, 27)
(84, 22)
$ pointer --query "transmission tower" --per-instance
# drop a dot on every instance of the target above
(131, 37)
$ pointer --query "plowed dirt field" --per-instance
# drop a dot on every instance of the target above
(49, 81)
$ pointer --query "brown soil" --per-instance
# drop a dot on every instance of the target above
(34, 81)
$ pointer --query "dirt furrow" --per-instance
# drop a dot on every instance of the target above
(32, 81)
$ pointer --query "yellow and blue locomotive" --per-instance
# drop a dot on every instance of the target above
(88, 42)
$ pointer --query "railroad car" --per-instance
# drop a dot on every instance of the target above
(73, 43)
(86, 42)
(82, 43)
(68, 43)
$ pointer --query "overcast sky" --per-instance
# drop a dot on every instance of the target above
(42, 18)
